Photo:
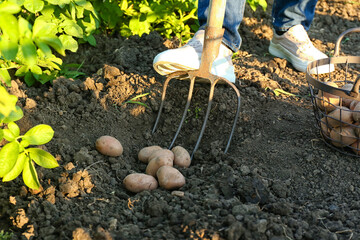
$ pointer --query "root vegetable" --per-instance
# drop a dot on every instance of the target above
(356, 113)
(109, 146)
(353, 104)
(181, 157)
(324, 127)
(170, 178)
(137, 182)
(158, 162)
(145, 153)
(162, 152)
(347, 101)
(355, 147)
(343, 136)
(340, 116)
(327, 101)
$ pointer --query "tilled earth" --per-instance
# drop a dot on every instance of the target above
(278, 181)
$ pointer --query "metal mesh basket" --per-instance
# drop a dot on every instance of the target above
(336, 100)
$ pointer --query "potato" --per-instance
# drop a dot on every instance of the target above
(343, 136)
(340, 116)
(347, 101)
(109, 146)
(137, 182)
(158, 162)
(356, 113)
(355, 147)
(181, 157)
(327, 101)
(144, 153)
(353, 104)
(325, 129)
(162, 152)
(170, 178)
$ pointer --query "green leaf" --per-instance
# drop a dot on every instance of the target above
(9, 7)
(73, 29)
(17, 169)
(29, 51)
(54, 42)
(21, 71)
(91, 39)
(14, 115)
(8, 48)
(43, 27)
(24, 28)
(9, 27)
(69, 42)
(46, 50)
(29, 79)
(1, 134)
(24, 143)
(7, 102)
(8, 135)
(42, 158)
(17, 2)
(58, 2)
(8, 156)
(5, 76)
(14, 128)
(35, 69)
(34, 6)
(40, 134)
(30, 176)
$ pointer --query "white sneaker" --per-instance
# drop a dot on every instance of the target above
(295, 46)
(188, 57)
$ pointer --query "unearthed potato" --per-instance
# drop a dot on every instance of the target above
(346, 101)
(356, 113)
(324, 126)
(355, 147)
(353, 104)
(146, 152)
(343, 136)
(162, 152)
(137, 182)
(327, 101)
(158, 162)
(109, 146)
(181, 157)
(170, 178)
(340, 116)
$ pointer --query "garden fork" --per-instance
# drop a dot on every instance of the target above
(212, 40)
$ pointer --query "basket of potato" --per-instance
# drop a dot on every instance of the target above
(336, 99)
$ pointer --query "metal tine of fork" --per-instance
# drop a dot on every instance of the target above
(191, 90)
(166, 83)
(211, 95)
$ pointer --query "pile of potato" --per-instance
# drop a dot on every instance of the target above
(160, 169)
(340, 124)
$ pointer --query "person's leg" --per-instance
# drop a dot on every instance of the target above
(233, 16)
(288, 13)
(291, 20)
(188, 57)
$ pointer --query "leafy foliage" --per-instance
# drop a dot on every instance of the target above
(255, 3)
(31, 30)
(136, 17)
(16, 156)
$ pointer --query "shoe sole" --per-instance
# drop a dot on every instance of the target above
(166, 68)
(279, 51)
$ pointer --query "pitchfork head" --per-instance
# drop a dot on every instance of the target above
(212, 41)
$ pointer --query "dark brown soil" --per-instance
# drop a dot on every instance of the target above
(278, 181)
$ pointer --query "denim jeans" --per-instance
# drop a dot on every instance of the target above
(285, 14)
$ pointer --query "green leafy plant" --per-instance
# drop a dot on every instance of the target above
(255, 3)
(30, 31)
(17, 155)
(136, 17)
(5, 235)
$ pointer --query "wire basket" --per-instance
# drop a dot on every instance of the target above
(336, 100)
